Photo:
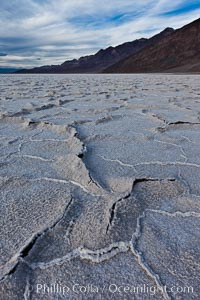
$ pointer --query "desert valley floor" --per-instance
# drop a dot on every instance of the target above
(100, 187)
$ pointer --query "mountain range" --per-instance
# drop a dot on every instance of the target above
(7, 70)
(169, 51)
(178, 52)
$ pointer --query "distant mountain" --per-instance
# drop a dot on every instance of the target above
(103, 58)
(169, 51)
(177, 52)
(8, 70)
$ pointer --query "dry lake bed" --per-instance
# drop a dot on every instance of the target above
(100, 187)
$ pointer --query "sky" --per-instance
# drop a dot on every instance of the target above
(45, 32)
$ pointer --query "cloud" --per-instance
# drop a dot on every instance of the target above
(184, 7)
(55, 31)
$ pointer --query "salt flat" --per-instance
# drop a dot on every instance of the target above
(100, 186)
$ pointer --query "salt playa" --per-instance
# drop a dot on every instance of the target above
(100, 193)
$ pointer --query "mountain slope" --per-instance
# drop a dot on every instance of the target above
(178, 52)
(93, 63)
(103, 58)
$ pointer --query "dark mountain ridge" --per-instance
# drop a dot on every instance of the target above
(169, 51)
(178, 52)
(103, 58)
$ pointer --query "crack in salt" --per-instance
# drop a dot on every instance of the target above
(112, 211)
(25, 250)
(141, 261)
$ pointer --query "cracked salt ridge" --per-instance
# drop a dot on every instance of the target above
(112, 210)
(81, 156)
(97, 256)
(117, 161)
(133, 246)
(27, 291)
(113, 249)
(138, 233)
(136, 181)
(176, 213)
(27, 111)
(32, 240)
(177, 163)
(175, 145)
(34, 157)
(67, 182)
(73, 133)
(24, 251)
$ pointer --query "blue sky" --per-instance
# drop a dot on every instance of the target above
(40, 32)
